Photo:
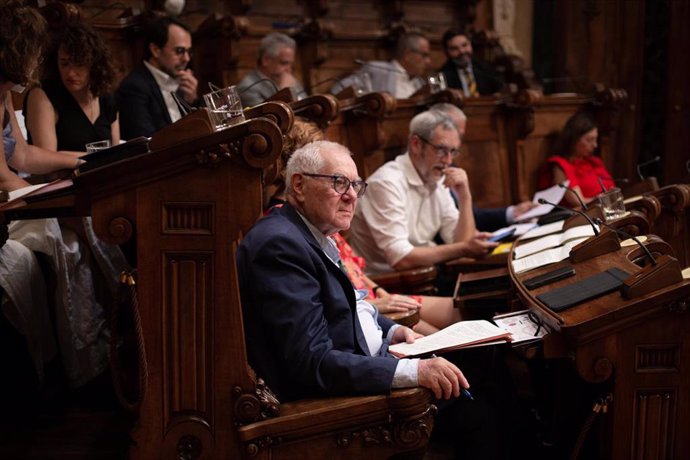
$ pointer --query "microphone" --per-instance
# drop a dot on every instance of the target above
(646, 163)
(627, 235)
(620, 180)
(601, 184)
(573, 211)
(577, 195)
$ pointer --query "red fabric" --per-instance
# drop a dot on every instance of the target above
(582, 172)
(354, 266)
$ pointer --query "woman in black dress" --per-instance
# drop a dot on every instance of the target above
(74, 105)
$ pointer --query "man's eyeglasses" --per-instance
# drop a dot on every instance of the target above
(441, 151)
(341, 184)
(180, 50)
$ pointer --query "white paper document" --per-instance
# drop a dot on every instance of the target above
(551, 241)
(550, 256)
(553, 227)
(455, 336)
(20, 192)
(520, 326)
(553, 194)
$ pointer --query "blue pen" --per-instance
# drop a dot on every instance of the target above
(463, 391)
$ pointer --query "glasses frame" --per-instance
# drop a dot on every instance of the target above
(441, 151)
(180, 50)
(350, 183)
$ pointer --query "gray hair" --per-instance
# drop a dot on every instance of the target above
(424, 124)
(309, 159)
(449, 109)
(270, 45)
(410, 41)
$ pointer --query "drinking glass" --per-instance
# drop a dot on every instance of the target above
(437, 82)
(612, 204)
(225, 107)
(98, 145)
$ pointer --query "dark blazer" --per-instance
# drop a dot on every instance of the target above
(489, 219)
(300, 321)
(142, 108)
(487, 80)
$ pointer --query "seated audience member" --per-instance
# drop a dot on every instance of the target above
(486, 219)
(21, 45)
(434, 312)
(403, 76)
(80, 326)
(145, 96)
(309, 333)
(274, 71)
(74, 105)
(575, 161)
(408, 203)
(462, 72)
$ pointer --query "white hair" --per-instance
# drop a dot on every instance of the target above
(310, 159)
(449, 109)
(272, 43)
(424, 124)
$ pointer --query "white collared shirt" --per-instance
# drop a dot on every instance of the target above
(404, 85)
(167, 85)
(398, 213)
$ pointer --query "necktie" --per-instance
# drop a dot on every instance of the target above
(471, 83)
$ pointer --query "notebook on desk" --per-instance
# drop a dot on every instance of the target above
(583, 290)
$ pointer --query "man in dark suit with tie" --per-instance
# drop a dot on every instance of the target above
(473, 78)
(145, 96)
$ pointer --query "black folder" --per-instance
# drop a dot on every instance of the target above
(583, 290)
(131, 148)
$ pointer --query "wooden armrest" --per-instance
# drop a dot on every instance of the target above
(333, 427)
(413, 281)
(405, 318)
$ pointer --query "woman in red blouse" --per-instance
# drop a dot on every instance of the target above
(575, 161)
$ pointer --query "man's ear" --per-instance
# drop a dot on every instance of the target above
(415, 145)
(155, 50)
(297, 186)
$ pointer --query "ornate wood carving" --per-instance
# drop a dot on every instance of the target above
(258, 404)
(654, 413)
(657, 358)
(188, 218)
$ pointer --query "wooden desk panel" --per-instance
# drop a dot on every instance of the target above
(640, 347)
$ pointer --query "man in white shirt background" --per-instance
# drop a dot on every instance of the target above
(403, 76)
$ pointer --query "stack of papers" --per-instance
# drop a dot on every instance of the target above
(553, 240)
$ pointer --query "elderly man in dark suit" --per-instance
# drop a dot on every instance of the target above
(308, 331)
(146, 96)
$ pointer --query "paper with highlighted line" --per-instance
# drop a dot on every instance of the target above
(551, 241)
(550, 256)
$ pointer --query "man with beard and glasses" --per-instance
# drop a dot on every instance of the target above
(462, 72)
(145, 97)
(408, 203)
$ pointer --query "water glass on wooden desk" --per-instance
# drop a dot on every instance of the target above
(96, 146)
(612, 204)
(225, 107)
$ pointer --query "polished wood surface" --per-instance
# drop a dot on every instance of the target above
(186, 206)
(637, 347)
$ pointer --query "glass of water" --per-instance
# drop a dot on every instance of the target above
(437, 82)
(225, 107)
(96, 146)
(612, 204)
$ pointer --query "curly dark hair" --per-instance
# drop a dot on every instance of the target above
(86, 47)
(23, 38)
(578, 125)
